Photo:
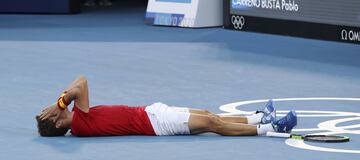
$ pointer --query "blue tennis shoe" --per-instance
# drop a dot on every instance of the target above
(269, 113)
(286, 124)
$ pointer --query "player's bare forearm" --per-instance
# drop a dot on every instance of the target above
(75, 89)
(78, 91)
(76, 83)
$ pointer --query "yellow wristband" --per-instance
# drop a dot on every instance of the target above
(61, 102)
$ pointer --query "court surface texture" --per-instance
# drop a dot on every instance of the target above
(128, 62)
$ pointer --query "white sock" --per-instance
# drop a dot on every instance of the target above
(263, 128)
(255, 118)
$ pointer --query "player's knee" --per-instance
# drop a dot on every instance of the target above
(215, 123)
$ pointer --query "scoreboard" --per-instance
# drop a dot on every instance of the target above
(337, 20)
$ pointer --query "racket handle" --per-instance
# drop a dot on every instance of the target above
(276, 134)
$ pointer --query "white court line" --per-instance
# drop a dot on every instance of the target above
(328, 127)
(301, 144)
(231, 107)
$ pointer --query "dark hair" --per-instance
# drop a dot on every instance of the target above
(47, 128)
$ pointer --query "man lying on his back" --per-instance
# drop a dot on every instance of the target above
(157, 119)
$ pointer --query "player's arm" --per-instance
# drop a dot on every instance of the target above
(78, 92)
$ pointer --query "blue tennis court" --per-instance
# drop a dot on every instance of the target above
(128, 62)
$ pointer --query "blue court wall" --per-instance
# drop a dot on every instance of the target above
(40, 6)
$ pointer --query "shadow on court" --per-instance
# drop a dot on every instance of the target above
(75, 143)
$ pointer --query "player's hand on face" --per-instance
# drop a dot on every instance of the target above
(53, 111)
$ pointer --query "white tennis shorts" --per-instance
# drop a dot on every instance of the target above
(168, 120)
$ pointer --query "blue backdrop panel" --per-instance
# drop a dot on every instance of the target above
(40, 6)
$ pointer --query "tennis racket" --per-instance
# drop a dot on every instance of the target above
(312, 138)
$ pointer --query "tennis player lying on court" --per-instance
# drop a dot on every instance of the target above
(157, 119)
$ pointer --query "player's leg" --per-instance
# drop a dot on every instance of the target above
(204, 123)
(267, 115)
(251, 119)
(233, 119)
